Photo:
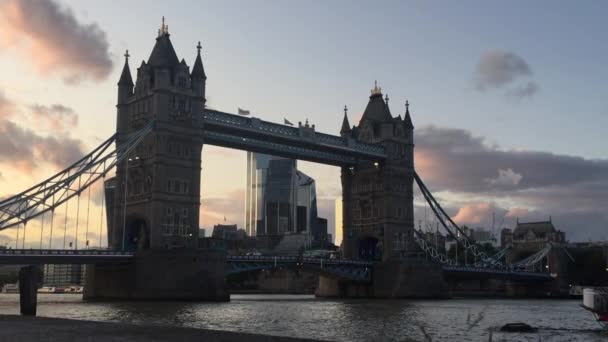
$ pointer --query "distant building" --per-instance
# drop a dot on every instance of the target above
(202, 233)
(339, 223)
(228, 232)
(532, 235)
(319, 233)
(280, 200)
(482, 236)
(60, 275)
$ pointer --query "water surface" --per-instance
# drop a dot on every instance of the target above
(341, 320)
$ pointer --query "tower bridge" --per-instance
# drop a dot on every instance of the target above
(153, 204)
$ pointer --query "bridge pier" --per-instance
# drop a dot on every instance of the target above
(29, 278)
(408, 278)
(185, 274)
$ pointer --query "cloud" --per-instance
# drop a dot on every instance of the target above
(527, 184)
(500, 69)
(454, 159)
(25, 149)
(475, 213)
(7, 107)
(54, 41)
(521, 91)
(57, 117)
(505, 178)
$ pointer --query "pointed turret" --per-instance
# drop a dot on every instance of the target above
(198, 77)
(198, 72)
(408, 119)
(163, 54)
(345, 132)
(125, 84)
(125, 77)
(377, 110)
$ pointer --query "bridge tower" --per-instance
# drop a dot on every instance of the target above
(153, 202)
(161, 179)
(378, 209)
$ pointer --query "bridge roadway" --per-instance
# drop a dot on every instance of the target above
(355, 270)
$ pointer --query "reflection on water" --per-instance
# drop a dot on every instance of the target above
(341, 320)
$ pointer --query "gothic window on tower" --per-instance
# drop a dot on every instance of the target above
(182, 82)
(181, 105)
(365, 210)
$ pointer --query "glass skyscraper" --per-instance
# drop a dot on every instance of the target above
(279, 199)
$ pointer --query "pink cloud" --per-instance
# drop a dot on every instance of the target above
(54, 41)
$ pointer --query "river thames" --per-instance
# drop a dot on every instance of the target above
(341, 320)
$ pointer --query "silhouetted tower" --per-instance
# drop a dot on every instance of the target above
(162, 187)
(378, 208)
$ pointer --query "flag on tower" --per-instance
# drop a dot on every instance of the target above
(287, 122)
(243, 112)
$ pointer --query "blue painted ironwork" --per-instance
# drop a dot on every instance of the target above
(358, 271)
(510, 273)
(62, 256)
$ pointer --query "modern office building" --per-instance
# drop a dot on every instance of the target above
(280, 200)
(57, 275)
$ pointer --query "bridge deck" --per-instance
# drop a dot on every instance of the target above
(61, 256)
(253, 134)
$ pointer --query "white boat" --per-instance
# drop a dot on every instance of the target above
(596, 301)
(73, 289)
(46, 289)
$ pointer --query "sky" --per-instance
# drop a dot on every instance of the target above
(508, 98)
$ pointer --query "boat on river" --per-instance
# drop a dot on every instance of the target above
(596, 301)
(10, 288)
(46, 289)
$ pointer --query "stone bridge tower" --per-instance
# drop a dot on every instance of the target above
(378, 210)
(161, 178)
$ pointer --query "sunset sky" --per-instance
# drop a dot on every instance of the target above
(508, 98)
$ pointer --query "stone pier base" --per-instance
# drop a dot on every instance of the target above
(29, 278)
(411, 278)
(160, 275)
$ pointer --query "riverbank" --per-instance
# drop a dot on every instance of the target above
(25, 329)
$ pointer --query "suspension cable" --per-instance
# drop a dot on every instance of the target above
(51, 235)
(77, 215)
(103, 205)
(441, 215)
(17, 239)
(36, 200)
(65, 225)
(24, 227)
(41, 229)
(86, 234)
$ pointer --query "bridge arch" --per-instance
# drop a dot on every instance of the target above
(137, 234)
